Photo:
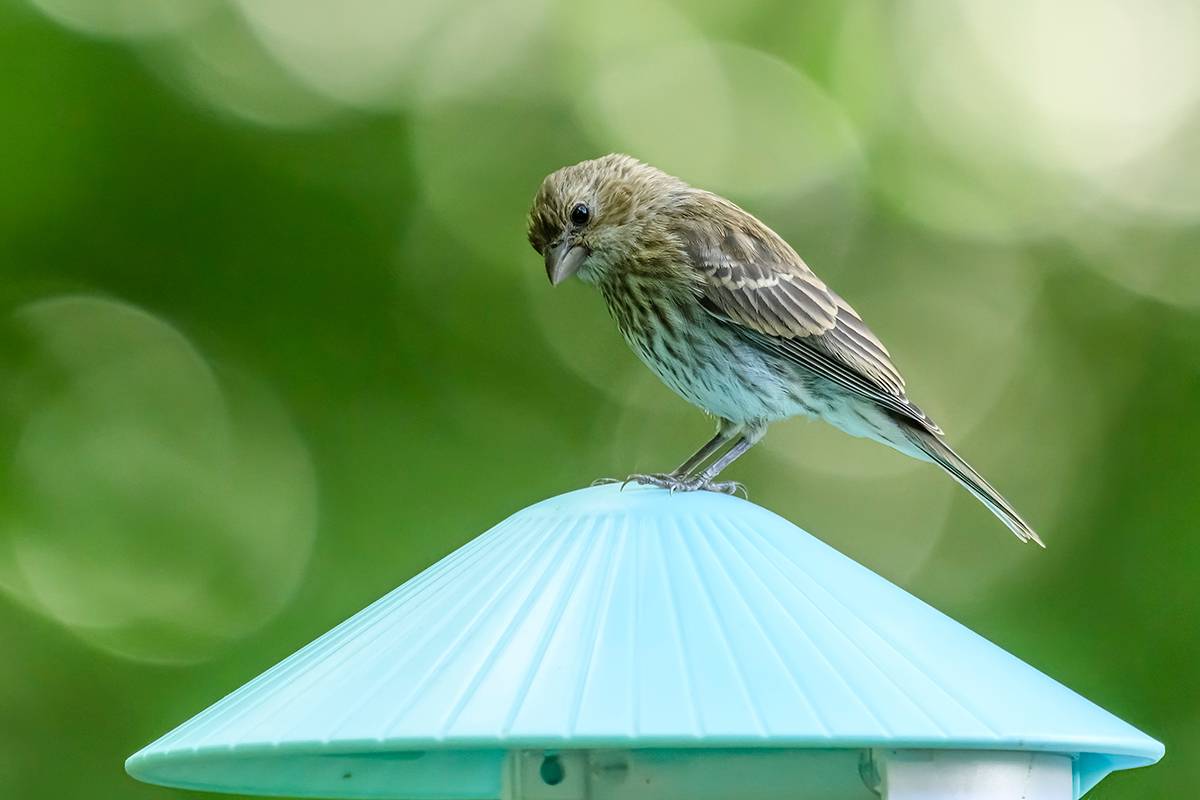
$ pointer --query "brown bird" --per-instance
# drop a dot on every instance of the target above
(726, 313)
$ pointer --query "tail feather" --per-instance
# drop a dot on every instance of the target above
(941, 454)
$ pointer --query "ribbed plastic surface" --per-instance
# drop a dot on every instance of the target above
(635, 618)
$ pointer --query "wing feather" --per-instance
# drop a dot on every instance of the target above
(756, 281)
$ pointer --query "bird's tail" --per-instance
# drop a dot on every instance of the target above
(941, 454)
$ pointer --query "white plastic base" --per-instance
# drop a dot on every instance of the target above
(770, 774)
(685, 774)
(974, 774)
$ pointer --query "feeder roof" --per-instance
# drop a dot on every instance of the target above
(635, 619)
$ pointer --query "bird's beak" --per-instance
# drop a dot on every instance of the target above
(563, 260)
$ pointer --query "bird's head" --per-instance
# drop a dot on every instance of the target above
(592, 216)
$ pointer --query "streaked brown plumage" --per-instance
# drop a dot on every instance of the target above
(726, 313)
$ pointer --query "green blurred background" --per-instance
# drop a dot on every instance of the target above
(272, 341)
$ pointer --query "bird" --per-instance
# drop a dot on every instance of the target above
(730, 317)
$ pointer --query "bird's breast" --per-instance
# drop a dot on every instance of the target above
(699, 357)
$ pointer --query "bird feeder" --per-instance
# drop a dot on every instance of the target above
(642, 644)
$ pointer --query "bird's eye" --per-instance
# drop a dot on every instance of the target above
(580, 215)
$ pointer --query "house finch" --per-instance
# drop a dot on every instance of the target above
(726, 313)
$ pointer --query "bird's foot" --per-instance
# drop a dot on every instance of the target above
(662, 480)
(727, 487)
(676, 483)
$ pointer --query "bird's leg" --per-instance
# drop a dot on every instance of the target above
(704, 480)
(725, 431)
(679, 478)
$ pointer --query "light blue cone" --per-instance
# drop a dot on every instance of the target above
(642, 644)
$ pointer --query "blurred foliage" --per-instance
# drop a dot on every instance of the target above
(271, 339)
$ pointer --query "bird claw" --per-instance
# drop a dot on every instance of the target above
(662, 480)
(728, 487)
(675, 483)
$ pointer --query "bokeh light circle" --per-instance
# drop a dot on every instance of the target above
(1148, 260)
(465, 58)
(1033, 109)
(222, 66)
(360, 52)
(126, 19)
(698, 110)
(156, 511)
(1094, 84)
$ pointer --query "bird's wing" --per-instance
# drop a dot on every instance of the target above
(754, 280)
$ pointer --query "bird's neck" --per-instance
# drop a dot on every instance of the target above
(634, 298)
